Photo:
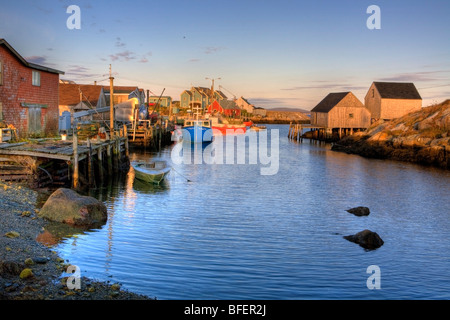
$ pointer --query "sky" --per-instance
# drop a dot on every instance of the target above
(277, 54)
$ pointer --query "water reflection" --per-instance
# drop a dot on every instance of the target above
(55, 232)
(231, 233)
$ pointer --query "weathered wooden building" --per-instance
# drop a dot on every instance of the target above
(78, 97)
(245, 105)
(227, 108)
(164, 101)
(28, 94)
(340, 110)
(390, 100)
(200, 95)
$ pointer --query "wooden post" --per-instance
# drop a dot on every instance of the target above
(109, 156)
(125, 134)
(75, 177)
(111, 102)
(115, 155)
(134, 123)
(160, 137)
(100, 162)
(290, 127)
(90, 164)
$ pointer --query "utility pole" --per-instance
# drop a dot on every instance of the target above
(212, 87)
(111, 102)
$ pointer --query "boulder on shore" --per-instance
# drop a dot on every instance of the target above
(67, 206)
(359, 211)
(366, 239)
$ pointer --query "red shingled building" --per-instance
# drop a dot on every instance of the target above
(29, 94)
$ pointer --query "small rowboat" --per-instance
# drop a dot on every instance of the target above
(151, 172)
(257, 128)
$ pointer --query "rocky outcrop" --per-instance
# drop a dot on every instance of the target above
(367, 239)
(421, 137)
(359, 211)
(67, 206)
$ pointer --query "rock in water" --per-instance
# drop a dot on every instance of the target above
(366, 239)
(67, 206)
(359, 211)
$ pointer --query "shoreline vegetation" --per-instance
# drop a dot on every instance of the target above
(30, 270)
(421, 137)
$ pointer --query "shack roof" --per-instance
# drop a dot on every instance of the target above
(69, 94)
(397, 90)
(228, 104)
(329, 102)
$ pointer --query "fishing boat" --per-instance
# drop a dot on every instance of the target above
(198, 130)
(257, 128)
(151, 172)
(224, 127)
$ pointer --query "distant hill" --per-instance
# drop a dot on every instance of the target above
(289, 110)
(286, 117)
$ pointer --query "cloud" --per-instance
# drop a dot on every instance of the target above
(211, 50)
(44, 10)
(123, 56)
(80, 72)
(329, 86)
(194, 60)
(119, 43)
(37, 59)
(424, 76)
(128, 56)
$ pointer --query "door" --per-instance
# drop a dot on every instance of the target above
(34, 121)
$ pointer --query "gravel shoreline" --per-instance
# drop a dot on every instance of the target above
(43, 278)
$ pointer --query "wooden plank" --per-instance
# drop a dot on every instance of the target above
(14, 177)
(35, 154)
(11, 145)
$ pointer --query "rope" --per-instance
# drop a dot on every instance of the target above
(187, 180)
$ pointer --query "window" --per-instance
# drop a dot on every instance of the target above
(1, 73)
(1, 111)
(373, 93)
(350, 115)
(36, 81)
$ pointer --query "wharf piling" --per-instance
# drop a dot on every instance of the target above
(43, 162)
(318, 133)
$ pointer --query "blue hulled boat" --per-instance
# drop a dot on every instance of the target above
(198, 131)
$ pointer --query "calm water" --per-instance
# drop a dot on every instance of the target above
(232, 233)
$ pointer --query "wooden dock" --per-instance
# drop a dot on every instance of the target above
(151, 136)
(43, 162)
(298, 132)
